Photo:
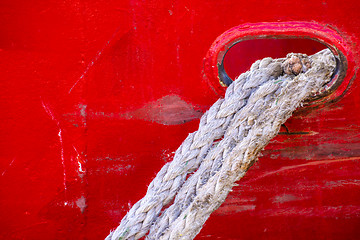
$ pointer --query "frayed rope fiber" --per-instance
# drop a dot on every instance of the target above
(230, 137)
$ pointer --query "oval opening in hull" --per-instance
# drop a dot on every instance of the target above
(240, 56)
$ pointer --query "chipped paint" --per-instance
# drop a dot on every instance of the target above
(81, 204)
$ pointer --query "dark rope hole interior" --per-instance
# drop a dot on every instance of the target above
(240, 56)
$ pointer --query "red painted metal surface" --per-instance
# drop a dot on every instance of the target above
(97, 95)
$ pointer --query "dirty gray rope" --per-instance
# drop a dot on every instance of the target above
(231, 134)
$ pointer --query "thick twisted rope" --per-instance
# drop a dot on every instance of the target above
(229, 138)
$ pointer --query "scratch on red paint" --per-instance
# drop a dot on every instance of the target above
(314, 163)
(51, 115)
(79, 160)
(318, 211)
(27, 227)
(3, 173)
(94, 60)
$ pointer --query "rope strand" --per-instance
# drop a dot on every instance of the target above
(249, 116)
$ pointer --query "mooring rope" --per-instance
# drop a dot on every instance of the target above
(231, 134)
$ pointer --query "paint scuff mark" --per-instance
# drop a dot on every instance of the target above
(234, 208)
(343, 183)
(81, 204)
(318, 211)
(290, 168)
(118, 170)
(83, 112)
(168, 110)
(285, 198)
(235, 205)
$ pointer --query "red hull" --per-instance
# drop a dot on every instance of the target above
(96, 96)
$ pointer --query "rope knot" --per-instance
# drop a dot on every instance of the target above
(296, 63)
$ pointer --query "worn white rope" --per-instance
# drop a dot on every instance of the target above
(227, 143)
